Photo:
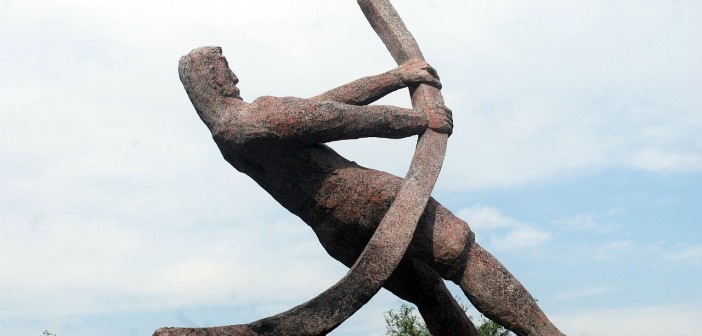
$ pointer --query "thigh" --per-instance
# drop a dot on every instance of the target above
(442, 240)
(352, 202)
(418, 283)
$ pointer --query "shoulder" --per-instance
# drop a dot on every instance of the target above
(277, 109)
(271, 101)
(264, 100)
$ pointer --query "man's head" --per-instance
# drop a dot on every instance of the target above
(224, 77)
(209, 82)
(207, 69)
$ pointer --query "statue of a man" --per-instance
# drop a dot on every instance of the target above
(279, 142)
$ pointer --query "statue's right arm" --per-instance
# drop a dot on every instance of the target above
(366, 90)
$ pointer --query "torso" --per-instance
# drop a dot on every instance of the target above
(339, 199)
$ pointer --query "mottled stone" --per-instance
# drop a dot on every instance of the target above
(386, 229)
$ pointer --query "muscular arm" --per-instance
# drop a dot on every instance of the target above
(338, 114)
(369, 89)
(211, 87)
(304, 121)
(365, 90)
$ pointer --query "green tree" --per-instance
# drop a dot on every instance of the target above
(405, 322)
(489, 327)
(47, 333)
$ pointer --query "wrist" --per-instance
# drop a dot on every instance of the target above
(397, 78)
(424, 121)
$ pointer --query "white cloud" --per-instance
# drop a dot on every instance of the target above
(636, 252)
(685, 253)
(649, 320)
(555, 89)
(504, 233)
(532, 104)
(664, 160)
(582, 293)
(106, 265)
(521, 238)
(614, 250)
(109, 182)
(583, 222)
(486, 218)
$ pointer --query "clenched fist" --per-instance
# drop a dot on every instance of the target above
(415, 72)
(440, 119)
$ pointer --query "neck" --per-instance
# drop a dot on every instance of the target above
(210, 84)
(212, 113)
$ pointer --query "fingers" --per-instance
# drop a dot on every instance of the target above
(430, 69)
(427, 78)
(416, 71)
(430, 77)
(440, 119)
(448, 120)
(429, 74)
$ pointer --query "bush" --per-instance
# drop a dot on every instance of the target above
(406, 322)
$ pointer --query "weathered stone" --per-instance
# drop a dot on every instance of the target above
(364, 218)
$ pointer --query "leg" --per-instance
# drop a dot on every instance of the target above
(413, 281)
(418, 283)
(445, 242)
(353, 201)
(497, 294)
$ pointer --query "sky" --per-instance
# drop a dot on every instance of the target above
(576, 158)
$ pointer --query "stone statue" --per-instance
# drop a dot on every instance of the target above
(279, 143)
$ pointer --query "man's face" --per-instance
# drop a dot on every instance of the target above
(226, 78)
(234, 81)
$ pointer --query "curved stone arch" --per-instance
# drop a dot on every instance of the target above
(391, 239)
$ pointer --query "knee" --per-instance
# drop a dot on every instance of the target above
(443, 240)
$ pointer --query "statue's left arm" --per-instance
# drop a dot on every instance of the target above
(341, 113)
(300, 121)
(211, 86)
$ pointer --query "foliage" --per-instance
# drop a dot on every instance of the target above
(406, 323)
(489, 327)
(47, 333)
